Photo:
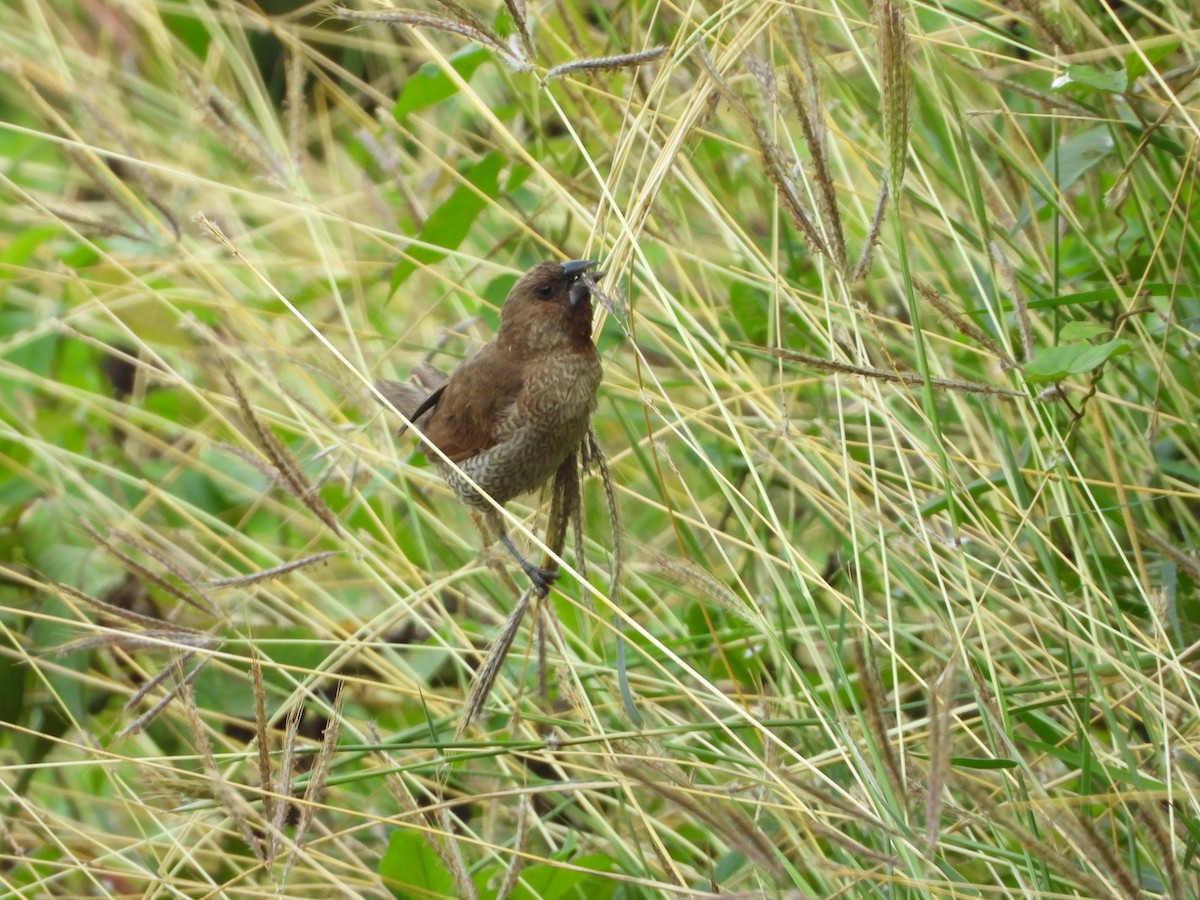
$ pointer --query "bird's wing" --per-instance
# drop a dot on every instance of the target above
(472, 404)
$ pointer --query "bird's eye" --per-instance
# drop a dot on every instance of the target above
(544, 290)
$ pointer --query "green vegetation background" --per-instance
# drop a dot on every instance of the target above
(900, 408)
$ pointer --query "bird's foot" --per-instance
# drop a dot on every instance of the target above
(541, 578)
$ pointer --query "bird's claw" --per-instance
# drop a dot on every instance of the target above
(541, 578)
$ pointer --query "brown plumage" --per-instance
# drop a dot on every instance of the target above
(518, 407)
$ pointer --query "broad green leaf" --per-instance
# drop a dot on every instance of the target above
(79, 256)
(751, 311)
(1080, 154)
(1082, 331)
(190, 31)
(550, 882)
(1135, 63)
(1077, 156)
(432, 85)
(1052, 364)
(451, 222)
(412, 869)
(55, 546)
(22, 246)
(1089, 76)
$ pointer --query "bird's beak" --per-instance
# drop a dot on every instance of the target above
(575, 270)
(576, 267)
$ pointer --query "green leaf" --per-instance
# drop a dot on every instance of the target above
(190, 31)
(1082, 331)
(13, 672)
(54, 546)
(1089, 76)
(79, 256)
(1181, 290)
(1135, 63)
(967, 762)
(751, 311)
(1056, 363)
(1077, 156)
(412, 869)
(449, 224)
(22, 245)
(432, 85)
(550, 882)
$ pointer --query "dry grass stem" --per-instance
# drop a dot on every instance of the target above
(965, 325)
(519, 857)
(775, 164)
(516, 9)
(278, 456)
(607, 63)
(909, 378)
(161, 639)
(870, 682)
(693, 576)
(227, 120)
(940, 705)
(1037, 13)
(726, 820)
(1009, 279)
(317, 775)
(171, 670)
(867, 254)
(896, 96)
(262, 750)
(192, 597)
(221, 791)
(466, 27)
(287, 772)
(485, 677)
(593, 454)
(273, 572)
(119, 612)
(806, 98)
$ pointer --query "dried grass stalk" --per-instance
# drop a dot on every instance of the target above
(777, 168)
(909, 378)
(939, 751)
(317, 775)
(274, 572)
(485, 678)
(602, 63)
(894, 85)
(193, 597)
(963, 324)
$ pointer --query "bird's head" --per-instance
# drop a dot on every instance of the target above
(551, 304)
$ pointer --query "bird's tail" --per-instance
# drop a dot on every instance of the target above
(412, 398)
(404, 396)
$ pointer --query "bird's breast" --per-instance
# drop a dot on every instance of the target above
(561, 388)
(546, 422)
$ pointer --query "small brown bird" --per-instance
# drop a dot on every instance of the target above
(514, 410)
